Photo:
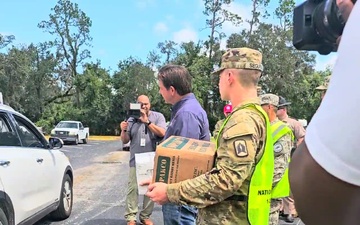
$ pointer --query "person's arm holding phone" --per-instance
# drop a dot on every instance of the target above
(325, 170)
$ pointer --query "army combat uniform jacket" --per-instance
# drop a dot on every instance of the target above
(241, 145)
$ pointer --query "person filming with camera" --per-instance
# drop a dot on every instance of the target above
(325, 170)
(144, 132)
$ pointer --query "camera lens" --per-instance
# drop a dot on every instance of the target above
(328, 21)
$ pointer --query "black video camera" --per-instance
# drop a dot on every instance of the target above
(134, 111)
(317, 26)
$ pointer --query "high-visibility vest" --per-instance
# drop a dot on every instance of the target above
(259, 194)
(282, 188)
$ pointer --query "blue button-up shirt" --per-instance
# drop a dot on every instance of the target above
(188, 119)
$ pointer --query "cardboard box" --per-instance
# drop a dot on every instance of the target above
(179, 158)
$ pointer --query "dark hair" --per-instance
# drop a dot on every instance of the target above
(176, 76)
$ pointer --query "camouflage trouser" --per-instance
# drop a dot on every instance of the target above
(274, 211)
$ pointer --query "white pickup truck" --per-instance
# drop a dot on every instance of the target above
(71, 131)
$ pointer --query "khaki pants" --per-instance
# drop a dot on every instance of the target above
(289, 206)
(132, 199)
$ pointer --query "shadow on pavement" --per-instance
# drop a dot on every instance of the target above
(105, 222)
(44, 222)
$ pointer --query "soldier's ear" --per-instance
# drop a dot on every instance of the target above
(230, 76)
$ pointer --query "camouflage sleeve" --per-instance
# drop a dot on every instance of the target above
(282, 150)
(235, 158)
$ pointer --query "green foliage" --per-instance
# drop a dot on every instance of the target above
(55, 113)
(53, 81)
(5, 40)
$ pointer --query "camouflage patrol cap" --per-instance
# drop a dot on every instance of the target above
(241, 58)
(325, 85)
(269, 99)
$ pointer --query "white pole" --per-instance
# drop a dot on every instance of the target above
(1, 99)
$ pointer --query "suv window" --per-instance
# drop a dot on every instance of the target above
(8, 136)
(27, 134)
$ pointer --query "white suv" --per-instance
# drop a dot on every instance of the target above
(36, 179)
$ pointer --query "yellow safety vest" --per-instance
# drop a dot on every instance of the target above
(282, 188)
(259, 194)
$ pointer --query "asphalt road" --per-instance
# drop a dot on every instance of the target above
(101, 175)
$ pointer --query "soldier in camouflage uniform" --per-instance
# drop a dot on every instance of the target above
(323, 88)
(289, 210)
(282, 150)
(222, 194)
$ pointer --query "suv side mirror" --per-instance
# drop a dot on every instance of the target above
(56, 143)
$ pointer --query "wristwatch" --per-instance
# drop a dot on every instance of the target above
(148, 123)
